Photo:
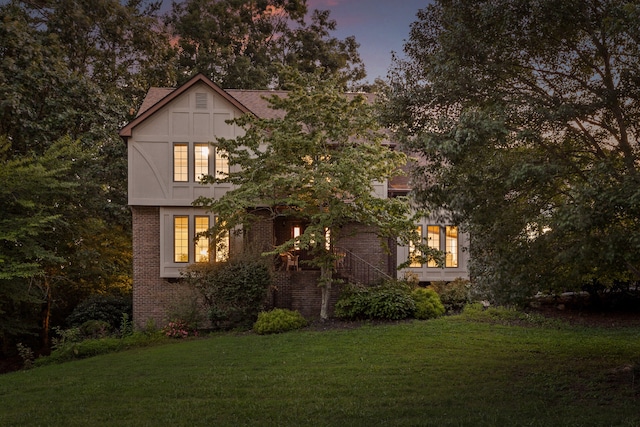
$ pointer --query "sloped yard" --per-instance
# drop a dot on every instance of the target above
(447, 372)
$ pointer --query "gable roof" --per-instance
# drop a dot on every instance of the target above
(159, 97)
(248, 101)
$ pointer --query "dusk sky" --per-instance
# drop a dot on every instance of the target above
(380, 26)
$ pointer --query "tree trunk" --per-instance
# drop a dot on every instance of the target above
(46, 314)
(326, 277)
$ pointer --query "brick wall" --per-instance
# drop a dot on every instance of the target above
(299, 290)
(153, 297)
(365, 243)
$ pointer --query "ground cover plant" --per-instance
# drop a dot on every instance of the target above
(465, 370)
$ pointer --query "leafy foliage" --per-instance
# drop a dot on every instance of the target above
(317, 164)
(428, 304)
(240, 44)
(234, 292)
(278, 320)
(70, 72)
(526, 115)
(454, 295)
(106, 308)
(389, 301)
(73, 349)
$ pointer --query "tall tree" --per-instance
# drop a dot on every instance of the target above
(72, 70)
(527, 113)
(317, 164)
(245, 44)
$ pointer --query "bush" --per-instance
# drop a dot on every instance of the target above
(179, 329)
(106, 308)
(185, 313)
(428, 304)
(453, 295)
(390, 301)
(67, 349)
(278, 320)
(95, 329)
(234, 292)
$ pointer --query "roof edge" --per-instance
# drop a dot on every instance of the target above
(127, 130)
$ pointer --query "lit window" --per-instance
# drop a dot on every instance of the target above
(433, 241)
(181, 239)
(327, 239)
(296, 236)
(200, 160)
(451, 247)
(202, 242)
(222, 164)
(180, 163)
(222, 249)
(414, 253)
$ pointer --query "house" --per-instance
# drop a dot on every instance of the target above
(168, 146)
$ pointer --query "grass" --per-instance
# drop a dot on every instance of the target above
(447, 372)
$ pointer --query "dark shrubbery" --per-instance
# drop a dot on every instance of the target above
(278, 320)
(106, 308)
(454, 295)
(391, 301)
(234, 292)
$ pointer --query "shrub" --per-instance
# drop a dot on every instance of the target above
(278, 320)
(234, 292)
(428, 304)
(179, 329)
(107, 308)
(188, 312)
(453, 295)
(390, 301)
(95, 329)
(71, 350)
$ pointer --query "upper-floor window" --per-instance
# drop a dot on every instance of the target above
(181, 162)
(200, 160)
(222, 164)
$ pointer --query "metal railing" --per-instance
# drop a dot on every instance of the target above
(357, 269)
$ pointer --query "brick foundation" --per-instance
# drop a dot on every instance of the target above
(299, 290)
(154, 298)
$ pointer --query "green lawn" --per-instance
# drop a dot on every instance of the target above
(446, 372)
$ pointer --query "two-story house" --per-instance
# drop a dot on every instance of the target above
(168, 146)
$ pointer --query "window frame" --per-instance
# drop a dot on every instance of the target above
(182, 173)
(414, 252)
(434, 245)
(198, 162)
(221, 164)
(178, 255)
(452, 257)
(199, 242)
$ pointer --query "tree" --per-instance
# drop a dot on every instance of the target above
(70, 72)
(317, 164)
(29, 191)
(245, 44)
(526, 114)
